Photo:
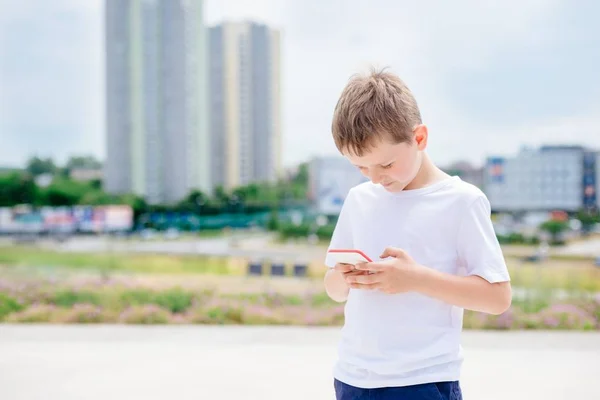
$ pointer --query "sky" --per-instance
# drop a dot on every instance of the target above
(490, 77)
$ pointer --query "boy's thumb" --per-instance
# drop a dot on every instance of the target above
(392, 252)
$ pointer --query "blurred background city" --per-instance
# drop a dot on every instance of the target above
(170, 163)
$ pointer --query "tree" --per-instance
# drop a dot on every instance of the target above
(64, 192)
(81, 162)
(221, 195)
(555, 228)
(37, 166)
(137, 203)
(302, 176)
(273, 223)
(87, 162)
(194, 202)
(96, 198)
(588, 219)
(17, 188)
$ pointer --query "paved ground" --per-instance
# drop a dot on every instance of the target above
(98, 363)
(252, 245)
(587, 248)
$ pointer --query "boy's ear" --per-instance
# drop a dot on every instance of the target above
(421, 135)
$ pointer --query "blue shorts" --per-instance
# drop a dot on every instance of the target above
(426, 391)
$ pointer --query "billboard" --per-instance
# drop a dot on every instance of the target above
(85, 219)
(331, 178)
(589, 180)
(495, 170)
(117, 218)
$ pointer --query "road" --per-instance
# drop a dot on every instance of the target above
(266, 363)
(253, 246)
(587, 248)
(250, 246)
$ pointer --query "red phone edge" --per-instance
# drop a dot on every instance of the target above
(350, 251)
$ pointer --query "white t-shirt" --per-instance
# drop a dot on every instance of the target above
(409, 338)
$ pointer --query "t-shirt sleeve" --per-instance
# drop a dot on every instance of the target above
(478, 247)
(342, 234)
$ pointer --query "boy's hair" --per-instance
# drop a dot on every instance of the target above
(376, 106)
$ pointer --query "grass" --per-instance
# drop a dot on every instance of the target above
(155, 288)
(127, 301)
(183, 236)
(25, 256)
(570, 274)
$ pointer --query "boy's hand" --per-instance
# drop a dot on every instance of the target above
(397, 275)
(335, 281)
(349, 270)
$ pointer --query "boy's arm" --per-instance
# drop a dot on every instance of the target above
(402, 274)
(469, 292)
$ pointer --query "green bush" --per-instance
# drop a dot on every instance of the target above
(115, 302)
(85, 314)
(137, 297)
(147, 315)
(273, 223)
(8, 305)
(517, 238)
(321, 299)
(294, 231)
(175, 300)
(34, 314)
(68, 298)
(218, 315)
(303, 230)
(325, 232)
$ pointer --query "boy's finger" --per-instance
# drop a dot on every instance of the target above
(344, 267)
(373, 266)
(367, 279)
(392, 252)
(364, 286)
(355, 272)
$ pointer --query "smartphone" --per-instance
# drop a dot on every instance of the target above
(348, 256)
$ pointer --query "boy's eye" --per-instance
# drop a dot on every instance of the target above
(387, 166)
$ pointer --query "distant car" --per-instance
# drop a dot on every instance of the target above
(25, 238)
(148, 234)
(172, 234)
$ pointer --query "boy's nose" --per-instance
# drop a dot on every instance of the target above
(375, 178)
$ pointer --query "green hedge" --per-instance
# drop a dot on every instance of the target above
(130, 303)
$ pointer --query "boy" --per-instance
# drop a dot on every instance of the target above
(434, 249)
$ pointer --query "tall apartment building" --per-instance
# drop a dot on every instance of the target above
(245, 103)
(549, 178)
(158, 142)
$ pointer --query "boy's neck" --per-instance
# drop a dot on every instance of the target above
(428, 174)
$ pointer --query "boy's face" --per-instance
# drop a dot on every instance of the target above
(393, 166)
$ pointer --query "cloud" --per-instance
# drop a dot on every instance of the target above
(482, 72)
(488, 76)
(51, 78)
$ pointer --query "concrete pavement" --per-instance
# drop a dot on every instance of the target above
(252, 246)
(197, 362)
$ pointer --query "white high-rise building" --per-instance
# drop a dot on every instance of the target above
(158, 144)
(549, 178)
(245, 103)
